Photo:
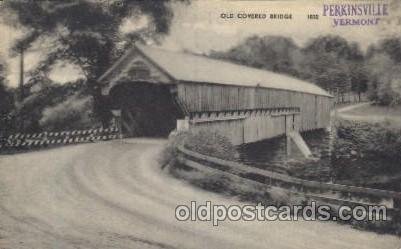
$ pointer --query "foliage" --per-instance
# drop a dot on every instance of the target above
(374, 140)
(209, 143)
(329, 61)
(383, 65)
(85, 33)
(359, 78)
(273, 53)
(73, 113)
(365, 150)
(34, 111)
(169, 154)
(6, 105)
(6, 98)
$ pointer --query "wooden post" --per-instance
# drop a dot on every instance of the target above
(21, 76)
(20, 91)
(288, 128)
(118, 122)
(288, 145)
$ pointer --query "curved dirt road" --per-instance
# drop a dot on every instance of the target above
(113, 195)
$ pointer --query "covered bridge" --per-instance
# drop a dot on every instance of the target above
(157, 91)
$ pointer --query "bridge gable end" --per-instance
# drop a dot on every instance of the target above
(133, 68)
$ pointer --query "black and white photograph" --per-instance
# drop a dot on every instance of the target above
(200, 124)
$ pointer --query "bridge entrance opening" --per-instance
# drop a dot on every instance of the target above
(147, 109)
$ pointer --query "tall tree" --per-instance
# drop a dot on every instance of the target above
(328, 61)
(383, 65)
(273, 53)
(6, 105)
(359, 79)
(85, 33)
(335, 45)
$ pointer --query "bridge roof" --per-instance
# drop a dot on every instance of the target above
(201, 69)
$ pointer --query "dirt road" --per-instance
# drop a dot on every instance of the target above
(114, 195)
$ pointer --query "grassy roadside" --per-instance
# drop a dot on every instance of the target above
(216, 145)
(241, 189)
(376, 110)
(367, 154)
(390, 115)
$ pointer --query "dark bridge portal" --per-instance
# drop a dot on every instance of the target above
(147, 109)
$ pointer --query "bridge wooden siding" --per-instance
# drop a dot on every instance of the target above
(242, 103)
(250, 114)
(198, 97)
(247, 126)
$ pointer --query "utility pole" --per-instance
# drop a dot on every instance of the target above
(20, 91)
(21, 76)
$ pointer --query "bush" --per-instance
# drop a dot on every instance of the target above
(204, 142)
(369, 140)
(211, 143)
(170, 152)
(40, 107)
(73, 113)
(365, 150)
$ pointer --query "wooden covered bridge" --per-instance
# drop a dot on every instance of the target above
(157, 91)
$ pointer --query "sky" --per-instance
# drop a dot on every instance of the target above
(198, 27)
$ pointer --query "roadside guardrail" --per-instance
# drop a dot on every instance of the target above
(330, 192)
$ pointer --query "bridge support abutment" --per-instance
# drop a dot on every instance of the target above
(183, 124)
(296, 137)
(293, 135)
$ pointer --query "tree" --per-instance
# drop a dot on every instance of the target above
(329, 61)
(335, 45)
(359, 79)
(273, 53)
(85, 33)
(389, 46)
(383, 65)
(6, 105)
(326, 71)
